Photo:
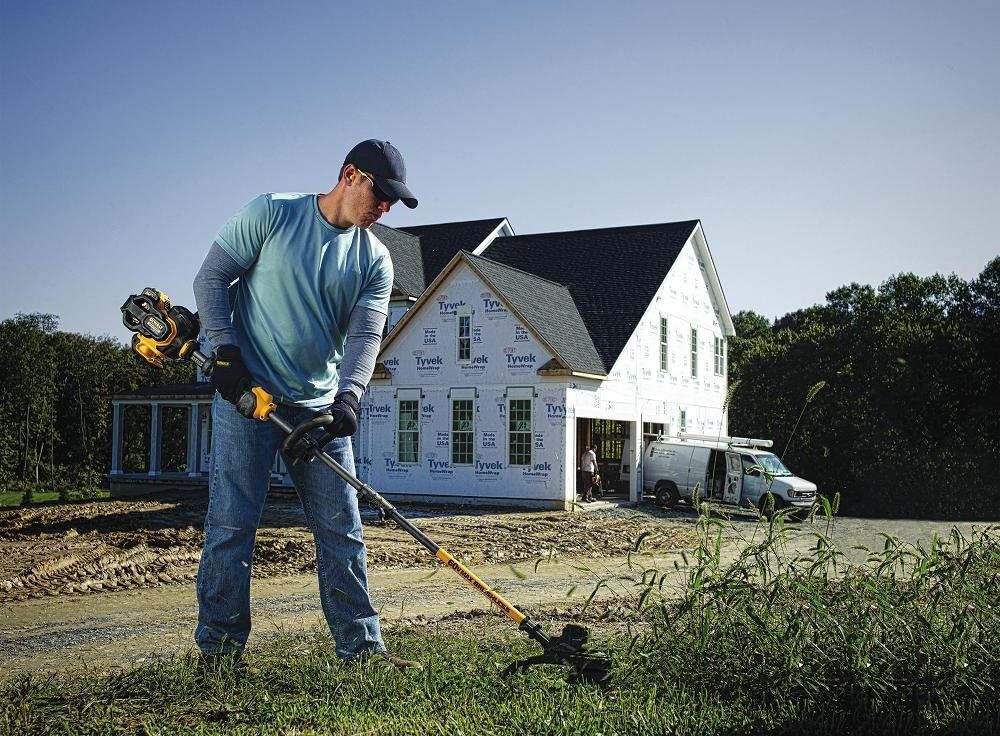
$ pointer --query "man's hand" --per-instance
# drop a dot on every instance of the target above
(343, 413)
(229, 375)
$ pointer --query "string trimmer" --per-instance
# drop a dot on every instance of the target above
(164, 332)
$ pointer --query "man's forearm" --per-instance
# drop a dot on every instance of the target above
(364, 338)
(211, 294)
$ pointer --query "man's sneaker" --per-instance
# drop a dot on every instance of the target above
(385, 659)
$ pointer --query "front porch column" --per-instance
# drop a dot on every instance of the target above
(193, 446)
(154, 439)
(116, 438)
(635, 461)
(570, 461)
(205, 415)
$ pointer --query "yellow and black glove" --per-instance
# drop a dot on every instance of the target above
(341, 421)
(229, 374)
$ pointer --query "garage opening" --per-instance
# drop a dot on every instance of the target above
(612, 439)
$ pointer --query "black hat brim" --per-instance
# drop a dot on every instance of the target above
(397, 189)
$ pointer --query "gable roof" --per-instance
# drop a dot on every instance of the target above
(545, 307)
(419, 252)
(407, 260)
(612, 274)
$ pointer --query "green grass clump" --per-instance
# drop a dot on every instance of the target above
(905, 642)
(907, 638)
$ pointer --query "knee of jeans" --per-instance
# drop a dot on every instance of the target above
(220, 524)
(344, 523)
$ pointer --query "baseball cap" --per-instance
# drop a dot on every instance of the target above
(384, 162)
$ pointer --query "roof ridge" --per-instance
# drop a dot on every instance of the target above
(457, 222)
(519, 270)
(397, 230)
(605, 229)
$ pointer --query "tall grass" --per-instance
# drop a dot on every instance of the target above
(759, 633)
(907, 634)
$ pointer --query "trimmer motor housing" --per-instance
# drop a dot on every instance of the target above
(162, 331)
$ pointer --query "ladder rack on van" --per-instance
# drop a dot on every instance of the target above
(750, 442)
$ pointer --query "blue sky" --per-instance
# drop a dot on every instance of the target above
(819, 143)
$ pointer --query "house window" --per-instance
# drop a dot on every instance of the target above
(684, 421)
(650, 431)
(409, 430)
(663, 343)
(461, 431)
(720, 359)
(610, 436)
(694, 353)
(465, 337)
(519, 432)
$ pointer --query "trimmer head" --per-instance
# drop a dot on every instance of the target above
(567, 649)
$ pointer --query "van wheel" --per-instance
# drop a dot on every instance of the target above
(667, 495)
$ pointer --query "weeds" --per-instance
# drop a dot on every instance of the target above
(906, 630)
(776, 630)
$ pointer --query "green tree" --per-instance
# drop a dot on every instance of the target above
(27, 397)
(907, 421)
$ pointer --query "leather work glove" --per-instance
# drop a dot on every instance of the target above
(343, 414)
(229, 375)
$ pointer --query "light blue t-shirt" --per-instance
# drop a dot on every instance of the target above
(293, 304)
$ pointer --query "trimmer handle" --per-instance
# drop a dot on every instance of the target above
(254, 403)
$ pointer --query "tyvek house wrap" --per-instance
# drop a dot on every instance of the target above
(502, 365)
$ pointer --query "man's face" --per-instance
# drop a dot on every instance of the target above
(364, 206)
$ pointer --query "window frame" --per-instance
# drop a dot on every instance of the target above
(510, 432)
(465, 314)
(400, 431)
(694, 352)
(470, 432)
(664, 345)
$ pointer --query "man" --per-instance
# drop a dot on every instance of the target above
(588, 466)
(306, 324)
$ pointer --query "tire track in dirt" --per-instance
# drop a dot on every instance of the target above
(100, 547)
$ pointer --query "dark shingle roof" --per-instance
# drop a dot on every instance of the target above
(611, 300)
(439, 243)
(421, 251)
(548, 309)
(407, 262)
(199, 390)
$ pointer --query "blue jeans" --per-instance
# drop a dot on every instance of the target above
(242, 454)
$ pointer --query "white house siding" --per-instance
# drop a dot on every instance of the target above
(505, 358)
(638, 391)
(397, 308)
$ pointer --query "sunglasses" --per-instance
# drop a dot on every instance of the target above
(379, 194)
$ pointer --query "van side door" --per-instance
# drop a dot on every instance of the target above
(698, 471)
(734, 478)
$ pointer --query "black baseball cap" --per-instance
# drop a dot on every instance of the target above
(384, 162)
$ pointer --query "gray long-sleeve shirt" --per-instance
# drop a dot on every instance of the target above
(213, 289)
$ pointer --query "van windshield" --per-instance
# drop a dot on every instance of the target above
(771, 464)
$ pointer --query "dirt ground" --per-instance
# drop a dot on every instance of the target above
(108, 584)
(87, 548)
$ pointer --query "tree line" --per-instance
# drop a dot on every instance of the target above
(889, 396)
(55, 403)
(895, 392)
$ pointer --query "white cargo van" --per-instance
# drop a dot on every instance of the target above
(732, 470)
